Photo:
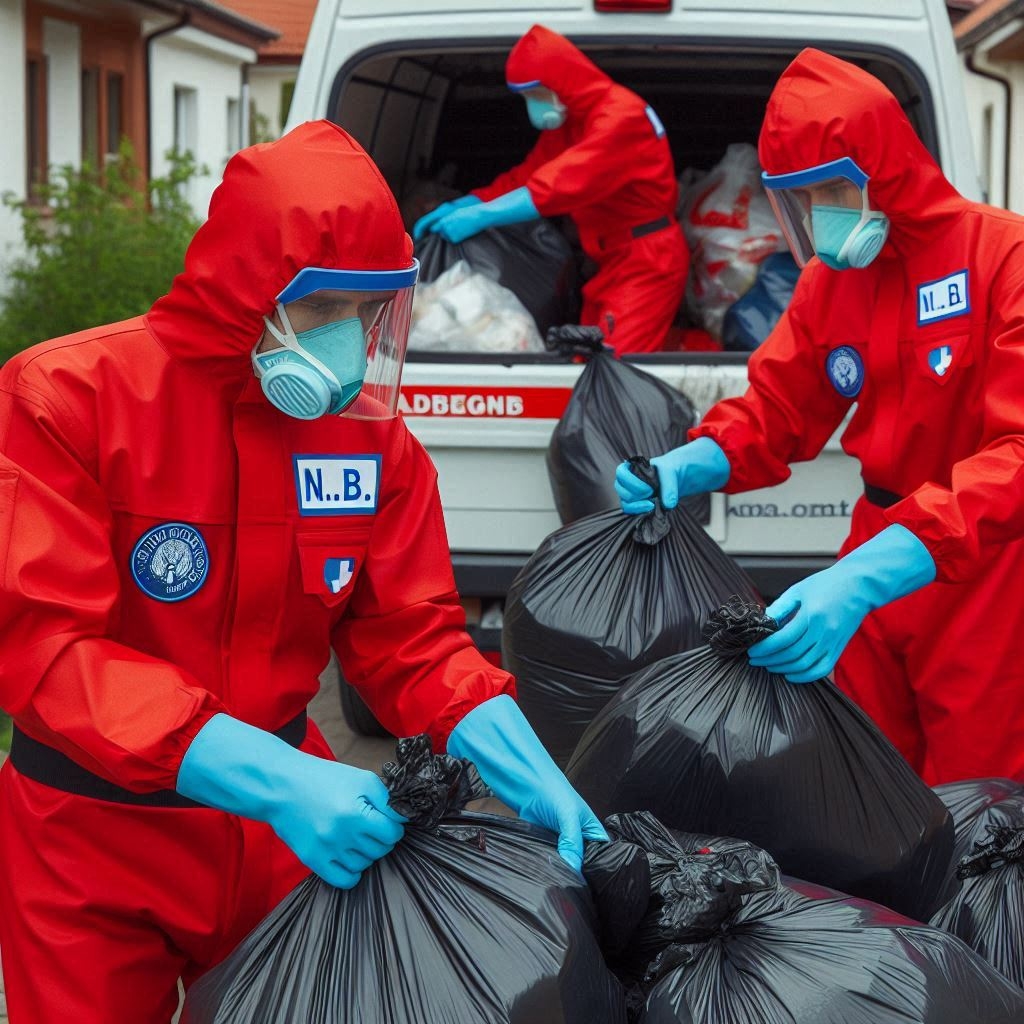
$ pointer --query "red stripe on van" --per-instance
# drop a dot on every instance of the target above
(469, 403)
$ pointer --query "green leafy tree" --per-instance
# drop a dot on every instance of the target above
(98, 247)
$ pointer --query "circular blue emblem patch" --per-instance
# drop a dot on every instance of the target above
(845, 369)
(170, 562)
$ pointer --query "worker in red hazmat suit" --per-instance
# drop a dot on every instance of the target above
(909, 314)
(195, 506)
(602, 158)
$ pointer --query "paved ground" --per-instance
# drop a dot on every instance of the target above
(348, 747)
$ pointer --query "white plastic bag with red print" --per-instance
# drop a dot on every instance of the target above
(731, 230)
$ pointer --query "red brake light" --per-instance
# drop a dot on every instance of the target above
(642, 6)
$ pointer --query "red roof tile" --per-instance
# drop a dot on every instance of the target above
(290, 17)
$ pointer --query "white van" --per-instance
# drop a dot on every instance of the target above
(421, 84)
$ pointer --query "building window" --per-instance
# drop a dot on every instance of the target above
(234, 126)
(35, 122)
(115, 112)
(91, 117)
(185, 120)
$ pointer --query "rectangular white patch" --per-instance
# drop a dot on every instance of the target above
(337, 485)
(939, 300)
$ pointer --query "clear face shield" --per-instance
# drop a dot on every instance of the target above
(336, 343)
(824, 211)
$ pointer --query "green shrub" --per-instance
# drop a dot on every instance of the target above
(98, 248)
(5, 732)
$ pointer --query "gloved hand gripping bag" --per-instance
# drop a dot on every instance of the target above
(533, 260)
(986, 908)
(472, 918)
(709, 743)
(601, 598)
(723, 938)
(615, 411)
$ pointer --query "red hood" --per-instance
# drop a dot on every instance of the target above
(314, 198)
(545, 56)
(823, 108)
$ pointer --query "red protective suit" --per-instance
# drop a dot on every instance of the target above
(609, 167)
(936, 323)
(115, 432)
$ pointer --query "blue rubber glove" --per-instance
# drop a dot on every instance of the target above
(428, 220)
(512, 208)
(334, 818)
(691, 469)
(821, 613)
(497, 738)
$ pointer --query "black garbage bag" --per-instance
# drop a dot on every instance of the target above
(615, 411)
(601, 598)
(709, 743)
(753, 316)
(533, 260)
(986, 909)
(721, 937)
(472, 918)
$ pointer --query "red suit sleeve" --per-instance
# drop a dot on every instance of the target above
(403, 643)
(789, 410)
(547, 146)
(983, 507)
(118, 712)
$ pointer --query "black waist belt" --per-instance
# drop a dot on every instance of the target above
(40, 763)
(650, 227)
(880, 497)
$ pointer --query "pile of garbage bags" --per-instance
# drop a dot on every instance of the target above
(601, 598)
(615, 411)
(986, 908)
(465, 311)
(473, 918)
(730, 229)
(702, 928)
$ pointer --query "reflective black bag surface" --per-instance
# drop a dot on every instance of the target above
(719, 937)
(598, 600)
(710, 743)
(472, 918)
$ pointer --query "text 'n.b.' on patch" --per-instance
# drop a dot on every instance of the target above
(845, 369)
(170, 562)
(939, 300)
(337, 485)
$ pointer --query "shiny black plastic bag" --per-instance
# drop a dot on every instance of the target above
(986, 909)
(533, 260)
(615, 412)
(722, 938)
(473, 918)
(601, 598)
(709, 743)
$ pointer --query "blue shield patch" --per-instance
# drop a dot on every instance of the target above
(940, 359)
(845, 370)
(338, 573)
(170, 562)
